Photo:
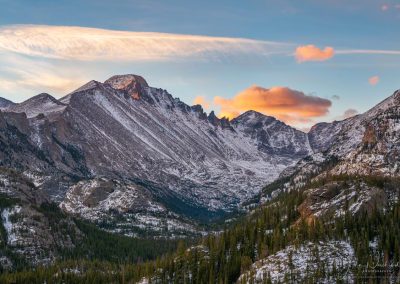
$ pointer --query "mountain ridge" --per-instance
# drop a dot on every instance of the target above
(127, 131)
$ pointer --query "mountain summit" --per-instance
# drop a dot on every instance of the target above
(132, 84)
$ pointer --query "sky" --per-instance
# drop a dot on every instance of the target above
(301, 61)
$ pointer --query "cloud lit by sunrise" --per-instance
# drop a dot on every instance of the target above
(201, 100)
(88, 44)
(288, 105)
(373, 80)
(313, 53)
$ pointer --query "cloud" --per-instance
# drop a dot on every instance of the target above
(373, 80)
(349, 113)
(312, 53)
(385, 7)
(90, 44)
(335, 97)
(367, 52)
(22, 77)
(201, 100)
(288, 105)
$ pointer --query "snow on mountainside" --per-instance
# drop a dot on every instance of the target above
(40, 104)
(344, 136)
(29, 233)
(358, 143)
(192, 164)
(363, 147)
(297, 262)
(4, 103)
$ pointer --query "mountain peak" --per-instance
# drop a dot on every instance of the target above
(4, 103)
(43, 97)
(131, 84)
(122, 82)
(42, 103)
(251, 116)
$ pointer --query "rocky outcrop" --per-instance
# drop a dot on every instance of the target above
(30, 234)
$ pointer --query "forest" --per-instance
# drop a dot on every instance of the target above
(221, 257)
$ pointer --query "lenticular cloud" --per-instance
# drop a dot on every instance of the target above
(80, 43)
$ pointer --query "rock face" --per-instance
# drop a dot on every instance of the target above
(301, 260)
(365, 146)
(29, 235)
(128, 133)
(334, 199)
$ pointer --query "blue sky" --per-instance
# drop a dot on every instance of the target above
(226, 69)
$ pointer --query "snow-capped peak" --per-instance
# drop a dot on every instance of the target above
(42, 103)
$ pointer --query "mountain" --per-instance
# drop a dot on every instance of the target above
(135, 161)
(4, 103)
(123, 138)
(35, 232)
(365, 146)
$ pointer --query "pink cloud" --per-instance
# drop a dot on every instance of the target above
(288, 105)
(201, 100)
(385, 7)
(373, 80)
(312, 53)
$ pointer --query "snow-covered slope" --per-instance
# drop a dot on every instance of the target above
(4, 103)
(40, 104)
(365, 146)
(295, 263)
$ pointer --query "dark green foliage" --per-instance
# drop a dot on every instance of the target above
(102, 245)
(96, 244)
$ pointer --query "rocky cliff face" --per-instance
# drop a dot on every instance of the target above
(29, 235)
(357, 150)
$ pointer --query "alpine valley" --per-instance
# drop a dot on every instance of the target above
(120, 182)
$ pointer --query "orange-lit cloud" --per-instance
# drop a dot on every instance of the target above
(91, 44)
(201, 100)
(312, 53)
(288, 105)
(373, 80)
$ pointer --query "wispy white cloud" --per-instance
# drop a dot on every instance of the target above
(81, 43)
(368, 52)
(22, 77)
(58, 59)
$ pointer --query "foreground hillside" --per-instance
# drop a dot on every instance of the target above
(276, 242)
